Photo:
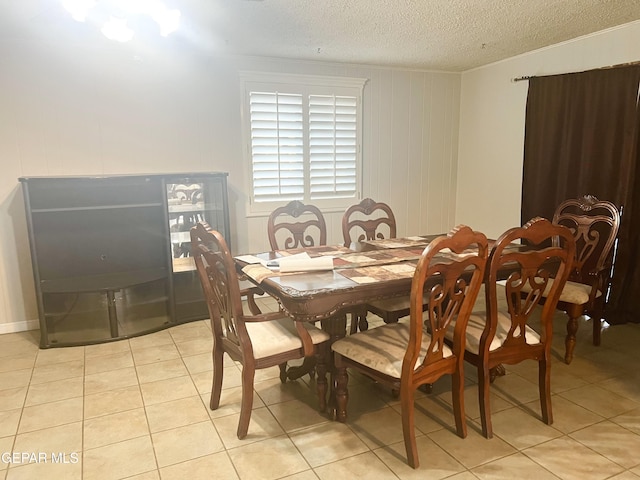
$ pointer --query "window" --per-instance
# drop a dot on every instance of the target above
(303, 139)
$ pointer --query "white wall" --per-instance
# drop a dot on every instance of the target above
(492, 115)
(92, 107)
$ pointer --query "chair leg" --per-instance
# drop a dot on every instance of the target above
(483, 396)
(358, 321)
(426, 388)
(391, 318)
(354, 323)
(363, 324)
(408, 425)
(218, 369)
(574, 311)
(497, 371)
(597, 330)
(596, 318)
(321, 382)
(457, 394)
(283, 372)
(341, 391)
(544, 386)
(248, 375)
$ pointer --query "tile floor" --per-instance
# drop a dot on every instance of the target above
(138, 409)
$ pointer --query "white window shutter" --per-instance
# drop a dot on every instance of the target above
(333, 146)
(277, 146)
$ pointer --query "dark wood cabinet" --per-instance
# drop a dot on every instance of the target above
(111, 255)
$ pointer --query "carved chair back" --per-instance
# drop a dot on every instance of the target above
(594, 224)
(296, 225)
(368, 220)
(538, 277)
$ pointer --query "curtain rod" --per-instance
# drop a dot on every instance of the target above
(529, 77)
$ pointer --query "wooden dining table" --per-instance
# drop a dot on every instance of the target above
(366, 271)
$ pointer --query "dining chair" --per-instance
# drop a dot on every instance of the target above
(371, 220)
(296, 225)
(594, 224)
(257, 341)
(406, 355)
(510, 329)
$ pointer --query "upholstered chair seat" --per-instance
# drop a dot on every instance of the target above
(573, 292)
(278, 336)
(383, 349)
(476, 326)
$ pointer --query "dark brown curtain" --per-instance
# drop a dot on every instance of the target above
(582, 136)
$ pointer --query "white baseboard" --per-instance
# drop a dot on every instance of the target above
(15, 327)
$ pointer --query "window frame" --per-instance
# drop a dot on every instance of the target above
(305, 85)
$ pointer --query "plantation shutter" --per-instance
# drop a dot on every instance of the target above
(277, 145)
(332, 146)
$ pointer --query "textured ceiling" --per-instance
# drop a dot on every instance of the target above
(450, 35)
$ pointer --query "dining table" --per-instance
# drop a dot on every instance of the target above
(367, 270)
(346, 279)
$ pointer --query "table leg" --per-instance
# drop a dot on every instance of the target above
(336, 327)
(308, 366)
(497, 371)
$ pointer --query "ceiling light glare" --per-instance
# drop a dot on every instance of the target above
(136, 7)
(79, 9)
(168, 20)
(117, 29)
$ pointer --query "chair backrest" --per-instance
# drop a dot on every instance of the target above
(456, 262)
(539, 264)
(307, 229)
(370, 219)
(594, 224)
(219, 280)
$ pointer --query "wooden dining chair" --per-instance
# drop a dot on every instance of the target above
(257, 341)
(407, 355)
(296, 225)
(504, 332)
(368, 220)
(594, 224)
(371, 220)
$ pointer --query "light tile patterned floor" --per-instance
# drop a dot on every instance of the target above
(138, 409)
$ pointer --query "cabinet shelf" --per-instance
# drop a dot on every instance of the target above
(180, 237)
(188, 208)
(184, 264)
(101, 283)
(102, 207)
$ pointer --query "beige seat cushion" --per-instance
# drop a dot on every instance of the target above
(572, 292)
(383, 348)
(277, 336)
(478, 320)
(476, 324)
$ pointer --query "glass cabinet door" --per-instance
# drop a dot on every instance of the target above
(191, 200)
